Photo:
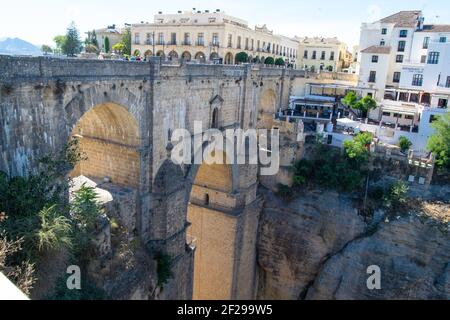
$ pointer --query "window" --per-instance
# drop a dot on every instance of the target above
(401, 46)
(137, 39)
(373, 76)
(322, 56)
(384, 31)
(447, 84)
(230, 41)
(187, 39)
(396, 77)
(442, 103)
(314, 55)
(382, 43)
(201, 39)
(399, 58)
(259, 45)
(239, 39)
(409, 117)
(173, 39)
(397, 115)
(215, 39)
(160, 38)
(423, 59)
(403, 33)
(433, 118)
(417, 80)
(374, 59)
(426, 42)
(386, 114)
(433, 58)
(149, 40)
(305, 54)
(443, 39)
(247, 42)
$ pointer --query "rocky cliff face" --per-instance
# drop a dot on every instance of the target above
(318, 247)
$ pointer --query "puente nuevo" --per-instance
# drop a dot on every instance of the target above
(124, 114)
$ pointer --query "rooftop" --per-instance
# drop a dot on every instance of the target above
(377, 49)
(407, 19)
(436, 28)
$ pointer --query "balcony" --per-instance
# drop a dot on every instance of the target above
(200, 43)
(186, 43)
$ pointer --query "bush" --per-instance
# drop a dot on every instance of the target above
(269, 61)
(54, 231)
(396, 196)
(404, 144)
(279, 62)
(164, 269)
(242, 57)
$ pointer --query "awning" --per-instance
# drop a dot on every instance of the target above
(346, 122)
(399, 110)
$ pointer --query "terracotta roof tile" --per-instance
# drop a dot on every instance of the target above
(377, 49)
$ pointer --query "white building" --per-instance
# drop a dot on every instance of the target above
(404, 64)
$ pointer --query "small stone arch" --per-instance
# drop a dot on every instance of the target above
(229, 58)
(200, 56)
(186, 56)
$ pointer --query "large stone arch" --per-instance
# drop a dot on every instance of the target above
(267, 108)
(109, 137)
(173, 55)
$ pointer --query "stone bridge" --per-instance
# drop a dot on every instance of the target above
(123, 114)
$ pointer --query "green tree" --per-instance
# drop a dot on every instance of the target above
(256, 59)
(365, 104)
(279, 62)
(439, 142)
(357, 149)
(72, 44)
(107, 45)
(90, 48)
(404, 143)
(242, 57)
(46, 49)
(119, 48)
(269, 61)
(59, 42)
(126, 41)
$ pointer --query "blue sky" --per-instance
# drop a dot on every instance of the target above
(39, 21)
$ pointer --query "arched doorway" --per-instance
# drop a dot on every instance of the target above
(266, 109)
(173, 55)
(186, 56)
(200, 57)
(229, 58)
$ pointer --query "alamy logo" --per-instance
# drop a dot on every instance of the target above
(374, 281)
(74, 280)
(241, 147)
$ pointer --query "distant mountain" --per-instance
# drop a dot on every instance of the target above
(16, 46)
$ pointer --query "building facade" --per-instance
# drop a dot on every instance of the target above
(404, 65)
(209, 36)
(113, 34)
(327, 54)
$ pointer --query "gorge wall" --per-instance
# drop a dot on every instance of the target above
(318, 247)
